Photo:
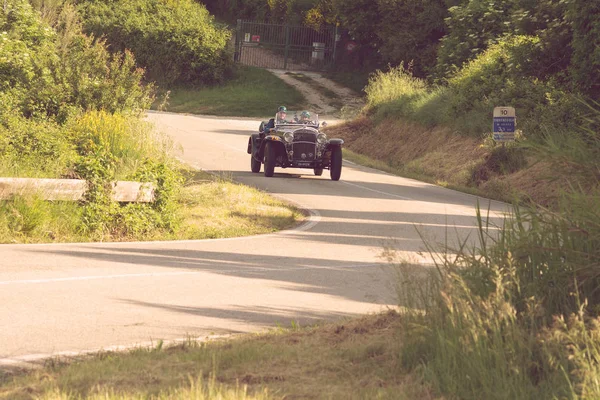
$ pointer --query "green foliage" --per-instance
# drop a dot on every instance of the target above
(168, 183)
(473, 25)
(48, 74)
(504, 75)
(125, 137)
(176, 41)
(585, 64)
(27, 145)
(517, 315)
(276, 11)
(109, 143)
(409, 31)
(509, 319)
(72, 108)
(252, 92)
(396, 84)
(500, 76)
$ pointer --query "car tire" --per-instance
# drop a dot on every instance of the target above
(336, 164)
(270, 156)
(319, 171)
(254, 164)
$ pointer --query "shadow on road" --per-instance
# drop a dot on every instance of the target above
(323, 186)
(309, 274)
(266, 316)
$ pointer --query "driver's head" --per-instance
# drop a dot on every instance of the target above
(281, 112)
(305, 116)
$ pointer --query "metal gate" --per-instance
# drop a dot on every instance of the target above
(293, 48)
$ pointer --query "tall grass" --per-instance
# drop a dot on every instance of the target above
(516, 317)
(128, 138)
(198, 389)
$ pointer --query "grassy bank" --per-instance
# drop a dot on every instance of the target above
(350, 359)
(206, 207)
(254, 92)
(438, 156)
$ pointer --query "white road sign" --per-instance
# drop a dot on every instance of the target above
(505, 120)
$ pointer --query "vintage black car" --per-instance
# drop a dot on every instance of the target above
(295, 143)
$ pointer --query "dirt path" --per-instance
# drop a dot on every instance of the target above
(350, 101)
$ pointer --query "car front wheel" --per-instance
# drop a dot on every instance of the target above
(336, 164)
(254, 165)
(270, 155)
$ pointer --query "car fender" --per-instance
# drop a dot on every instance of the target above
(335, 143)
(252, 141)
(272, 139)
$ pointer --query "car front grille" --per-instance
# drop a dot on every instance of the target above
(305, 136)
(304, 151)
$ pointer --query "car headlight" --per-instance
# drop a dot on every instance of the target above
(321, 138)
(288, 137)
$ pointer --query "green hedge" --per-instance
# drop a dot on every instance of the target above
(176, 41)
(500, 76)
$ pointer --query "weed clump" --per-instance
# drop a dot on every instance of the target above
(518, 315)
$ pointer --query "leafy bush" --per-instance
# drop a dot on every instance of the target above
(69, 107)
(125, 137)
(396, 84)
(409, 32)
(473, 25)
(112, 145)
(500, 76)
(175, 41)
(504, 76)
(585, 64)
(45, 74)
(33, 148)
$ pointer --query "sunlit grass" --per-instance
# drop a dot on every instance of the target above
(254, 92)
(348, 359)
(211, 207)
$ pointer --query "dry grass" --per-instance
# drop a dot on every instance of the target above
(219, 208)
(439, 156)
(351, 359)
(434, 152)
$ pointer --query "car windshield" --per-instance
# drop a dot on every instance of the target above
(303, 117)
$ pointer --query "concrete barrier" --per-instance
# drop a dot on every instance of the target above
(73, 189)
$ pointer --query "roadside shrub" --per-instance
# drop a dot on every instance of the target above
(24, 216)
(113, 146)
(177, 42)
(473, 25)
(46, 74)
(500, 76)
(410, 31)
(503, 75)
(585, 64)
(35, 148)
(516, 316)
(398, 85)
(128, 139)
(168, 182)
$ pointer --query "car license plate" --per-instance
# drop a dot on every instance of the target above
(304, 164)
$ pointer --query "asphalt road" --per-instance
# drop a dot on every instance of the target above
(62, 299)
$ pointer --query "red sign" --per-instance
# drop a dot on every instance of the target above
(256, 38)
